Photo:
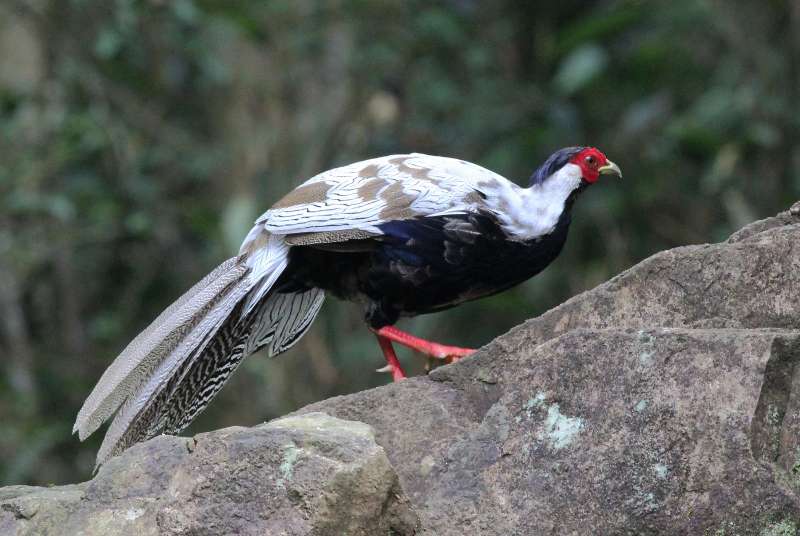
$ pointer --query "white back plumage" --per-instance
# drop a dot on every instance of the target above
(365, 194)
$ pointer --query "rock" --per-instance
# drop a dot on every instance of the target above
(660, 431)
(751, 281)
(310, 474)
(788, 217)
(665, 401)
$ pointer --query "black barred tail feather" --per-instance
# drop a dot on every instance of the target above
(173, 369)
(277, 323)
(160, 407)
(155, 344)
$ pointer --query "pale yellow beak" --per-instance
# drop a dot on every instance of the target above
(610, 169)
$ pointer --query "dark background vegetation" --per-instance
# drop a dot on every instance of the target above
(140, 139)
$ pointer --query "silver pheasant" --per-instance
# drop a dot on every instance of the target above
(405, 234)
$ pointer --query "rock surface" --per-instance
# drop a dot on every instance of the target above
(657, 431)
(665, 401)
(310, 474)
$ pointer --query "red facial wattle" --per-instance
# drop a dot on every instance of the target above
(590, 160)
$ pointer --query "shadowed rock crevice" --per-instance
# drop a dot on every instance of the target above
(773, 403)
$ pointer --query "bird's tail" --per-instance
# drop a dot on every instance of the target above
(170, 372)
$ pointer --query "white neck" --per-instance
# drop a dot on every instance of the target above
(527, 213)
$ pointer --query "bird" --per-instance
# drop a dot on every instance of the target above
(403, 235)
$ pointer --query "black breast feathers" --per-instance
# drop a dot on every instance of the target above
(424, 265)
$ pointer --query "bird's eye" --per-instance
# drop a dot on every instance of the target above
(591, 161)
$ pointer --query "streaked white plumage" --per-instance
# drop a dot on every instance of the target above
(363, 195)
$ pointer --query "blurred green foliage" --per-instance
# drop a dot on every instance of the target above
(140, 138)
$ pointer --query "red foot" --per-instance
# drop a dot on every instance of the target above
(433, 349)
(392, 363)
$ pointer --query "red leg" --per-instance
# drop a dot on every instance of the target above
(392, 363)
(433, 349)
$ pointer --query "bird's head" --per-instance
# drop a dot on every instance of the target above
(575, 166)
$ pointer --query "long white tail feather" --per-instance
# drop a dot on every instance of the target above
(281, 321)
(143, 354)
(191, 346)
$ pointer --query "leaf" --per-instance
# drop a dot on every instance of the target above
(579, 68)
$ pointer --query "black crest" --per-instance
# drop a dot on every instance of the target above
(554, 162)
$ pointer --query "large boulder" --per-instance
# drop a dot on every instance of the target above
(665, 401)
(304, 475)
(657, 431)
(750, 281)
